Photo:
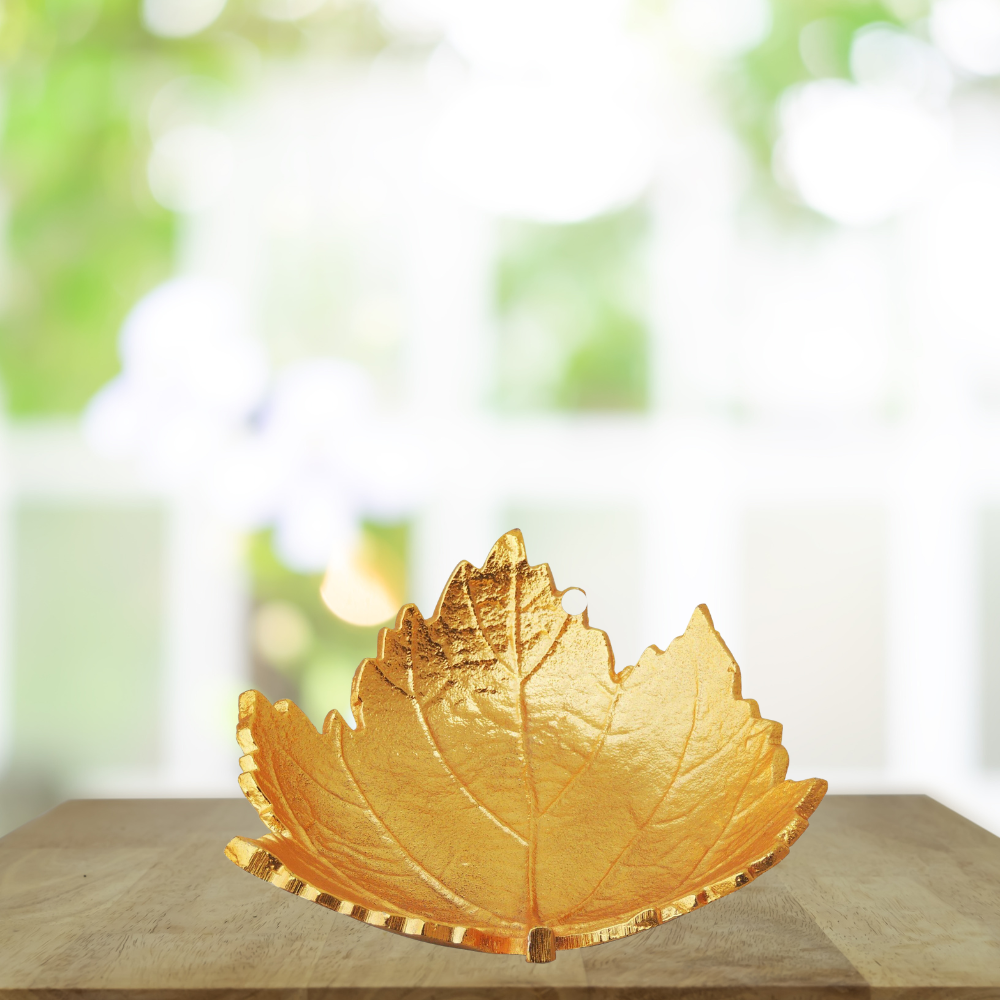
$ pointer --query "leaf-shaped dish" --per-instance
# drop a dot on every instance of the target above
(506, 790)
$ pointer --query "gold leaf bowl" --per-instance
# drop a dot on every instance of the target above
(507, 790)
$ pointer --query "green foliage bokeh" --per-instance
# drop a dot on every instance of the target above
(580, 288)
(85, 239)
(321, 678)
(754, 84)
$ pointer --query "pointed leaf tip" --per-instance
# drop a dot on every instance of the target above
(468, 743)
(509, 547)
(248, 701)
(701, 617)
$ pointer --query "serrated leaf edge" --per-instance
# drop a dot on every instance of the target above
(539, 944)
(255, 859)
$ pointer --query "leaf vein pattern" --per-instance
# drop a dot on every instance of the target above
(434, 882)
(552, 648)
(309, 840)
(474, 608)
(739, 798)
(659, 802)
(439, 753)
(592, 756)
(320, 784)
(359, 892)
(718, 751)
(529, 781)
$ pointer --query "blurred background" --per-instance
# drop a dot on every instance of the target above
(303, 301)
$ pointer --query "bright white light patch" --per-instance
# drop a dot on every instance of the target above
(885, 57)
(722, 28)
(420, 18)
(539, 38)
(542, 153)
(180, 18)
(191, 374)
(190, 167)
(857, 154)
(314, 522)
(110, 424)
(968, 32)
(188, 338)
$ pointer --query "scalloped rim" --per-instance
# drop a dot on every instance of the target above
(540, 944)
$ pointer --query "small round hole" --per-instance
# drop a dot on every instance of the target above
(574, 601)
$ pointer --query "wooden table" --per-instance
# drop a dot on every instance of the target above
(887, 896)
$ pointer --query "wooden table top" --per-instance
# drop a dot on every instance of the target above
(887, 896)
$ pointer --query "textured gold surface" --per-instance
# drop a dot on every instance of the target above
(506, 790)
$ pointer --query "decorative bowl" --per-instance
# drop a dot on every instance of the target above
(507, 790)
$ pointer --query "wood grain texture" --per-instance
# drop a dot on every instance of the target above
(885, 896)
